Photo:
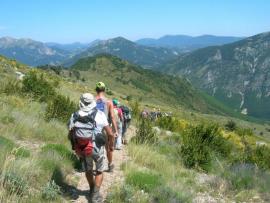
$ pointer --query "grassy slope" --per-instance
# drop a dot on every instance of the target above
(148, 86)
(22, 122)
(160, 175)
(47, 158)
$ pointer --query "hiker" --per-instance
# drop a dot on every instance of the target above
(153, 115)
(85, 132)
(126, 121)
(159, 114)
(118, 115)
(145, 113)
(105, 105)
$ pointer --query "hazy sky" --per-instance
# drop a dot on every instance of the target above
(86, 20)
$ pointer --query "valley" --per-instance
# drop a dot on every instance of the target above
(207, 149)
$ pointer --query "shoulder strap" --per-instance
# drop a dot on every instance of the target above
(85, 119)
(93, 114)
(75, 116)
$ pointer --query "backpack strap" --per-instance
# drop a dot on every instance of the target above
(93, 116)
(85, 119)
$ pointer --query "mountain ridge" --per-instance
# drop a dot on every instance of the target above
(31, 52)
(187, 43)
(148, 57)
(237, 73)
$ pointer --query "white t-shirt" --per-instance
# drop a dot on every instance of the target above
(101, 121)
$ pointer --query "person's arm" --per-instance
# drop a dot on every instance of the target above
(71, 132)
(108, 131)
(110, 134)
(110, 108)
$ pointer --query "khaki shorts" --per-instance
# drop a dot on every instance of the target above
(88, 162)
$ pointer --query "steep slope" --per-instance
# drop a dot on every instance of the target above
(134, 81)
(148, 57)
(237, 74)
(31, 52)
(187, 43)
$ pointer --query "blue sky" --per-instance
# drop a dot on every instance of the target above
(85, 20)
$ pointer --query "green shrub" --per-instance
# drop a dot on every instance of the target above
(12, 87)
(230, 125)
(50, 191)
(38, 87)
(144, 180)
(61, 108)
(261, 157)
(135, 107)
(168, 123)
(244, 131)
(14, 184)
(145, 132)
(6, 119)
(200, 143)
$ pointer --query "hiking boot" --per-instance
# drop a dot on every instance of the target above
(91, 191)
(110, 168)
(96, 197)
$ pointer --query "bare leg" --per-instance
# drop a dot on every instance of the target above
(90, 179)
(109, 149)
(98, 179)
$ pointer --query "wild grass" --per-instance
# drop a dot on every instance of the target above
(153, 176)
(36, 177)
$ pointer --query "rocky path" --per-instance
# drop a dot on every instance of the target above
(110, 179)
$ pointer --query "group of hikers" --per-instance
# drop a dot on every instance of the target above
(154, 114)
(99, 125)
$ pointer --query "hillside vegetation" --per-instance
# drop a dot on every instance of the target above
(203, 162)
(144, 85)
(236, 74)
(38, 164)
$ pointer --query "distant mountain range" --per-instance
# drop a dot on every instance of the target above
(75, 47)
(237, 74)
(186, 43)
(148, 57)
(31, 52)
(148, 53)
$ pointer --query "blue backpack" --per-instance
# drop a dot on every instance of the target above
(102, 106)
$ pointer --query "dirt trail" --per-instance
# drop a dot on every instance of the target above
(110, 179)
